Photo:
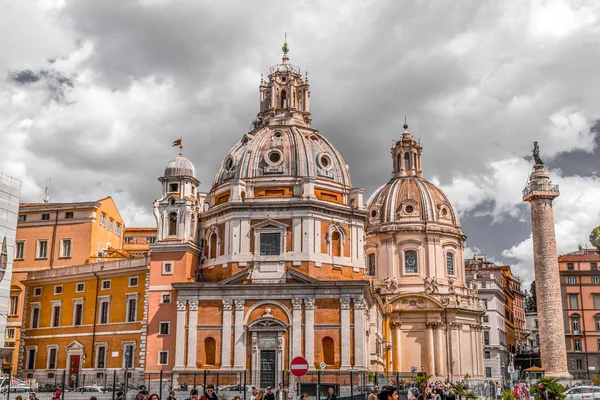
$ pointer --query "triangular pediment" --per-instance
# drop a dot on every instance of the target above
(269, 224)
(74, 345)
(294, 276)
(236, 278)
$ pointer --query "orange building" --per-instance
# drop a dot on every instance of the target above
(84, 319)
(53, 235)
(137, 241)
(580, 286)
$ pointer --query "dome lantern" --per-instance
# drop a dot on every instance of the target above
(406, 156)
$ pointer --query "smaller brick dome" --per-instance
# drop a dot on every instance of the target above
(180, 166)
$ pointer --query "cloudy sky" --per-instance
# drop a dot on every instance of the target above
(92, 93)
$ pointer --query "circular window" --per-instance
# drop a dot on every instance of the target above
(274, 157)
(409, 209)
(229, 163)
(277, 135)
(172, 201)
(325, 161)
(373, 213)
(444, 212)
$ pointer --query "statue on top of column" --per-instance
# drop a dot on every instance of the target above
(536, 154)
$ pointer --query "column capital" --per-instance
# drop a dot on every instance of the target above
(181, 305)
(239, 304)
(456, 325)
(359, 303)
(194, 305)
(395, 325)
(345, 303)
(297, 303)
(227, 304)
(309, 303)
(434, 324)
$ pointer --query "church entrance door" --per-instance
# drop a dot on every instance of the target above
(267, 368)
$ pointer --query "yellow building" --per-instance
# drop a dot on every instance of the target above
(137, 241)
(84, 319)
(53, 235)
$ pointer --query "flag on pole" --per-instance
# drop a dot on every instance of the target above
(177, 142)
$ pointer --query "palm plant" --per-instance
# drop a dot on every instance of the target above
(421, 379)
(508, 395)
(548, 389)
(460, 390)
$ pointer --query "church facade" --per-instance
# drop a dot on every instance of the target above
(282, 258)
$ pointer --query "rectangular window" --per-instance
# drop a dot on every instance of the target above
(173, 187)
(598, 324)
(487, 355)
(45, 217)
(110, 224)
(106, 284)
(104, 310)
(371, 264)
(65, 247)
(22, 218)
(450, 263)
(101, 357)
(163, 357)
(572, 280)
(578, 364)
(488, 372)
(163, 328)
(574, 301)
(31, 358)
(151, 239)
(10, 333)
(102, 219)
(35, 317)
(78, 314)
(570, 267)
(58, 289)
(577, 344)
(69, 215)
(14, 305)
(596, 280)
(483, 285)
(597, 301)
(37, 292)
(410, 262)
(52, 358)
(167, 268)
(270, 244)
(131, 310)
(166, 298)
(486, 318)
(128, 239)
(19, 250)
(118, 229)
(56, 315)
(486, 338)
(42, 249)
(80, 287)
(128, 356)
(594, 266)
(133, 281)
(575, 325)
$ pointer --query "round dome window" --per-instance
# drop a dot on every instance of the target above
(277, 135)
(229, 163)
(325, 161)
(274, 157)
(373, 213)
(409, 209)
(444, 212)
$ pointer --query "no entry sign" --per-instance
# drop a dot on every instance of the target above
(299, 366)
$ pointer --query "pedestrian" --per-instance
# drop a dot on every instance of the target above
(389, 392)
(120, 395)
(142, 394)
(171, 395)
(498, 390)
(331, 395)
(450, 395)
(153, 396)
(193, 395)
(237, 398)
(18, 398)
(281, 393)
(260, 395)
(304, 396)
(269, 395)
(57, 394)
(254, 393)
(93, 398)
(209, 393)
(32, 396)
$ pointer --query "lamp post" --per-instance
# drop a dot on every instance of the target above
(503, 370)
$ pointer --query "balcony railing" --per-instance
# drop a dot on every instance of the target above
(540, 188)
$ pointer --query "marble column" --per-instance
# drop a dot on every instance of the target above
(345, 314)
(359, 333)
(440, 363)
(309, 332)
(456, 359)
(396, 333)
(226, 334)
(180, 333)
(192, 335)
(430, 362)
(239, 353)
(296, 327)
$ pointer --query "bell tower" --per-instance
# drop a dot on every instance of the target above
(406, 156)
(285, 96)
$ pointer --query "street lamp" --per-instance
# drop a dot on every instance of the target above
(503, 371)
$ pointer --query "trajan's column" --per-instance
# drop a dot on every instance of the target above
(539, 193)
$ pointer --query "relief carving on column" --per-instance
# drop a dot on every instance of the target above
(345, 303)
(395, 325)
(477, 328)
(239, 305)
(456, 325)
(445, 301)
(434, 324)
(297, 303)
(359, 303)
(181, 305)
(309, 303)
(194, 305)
(227, 304)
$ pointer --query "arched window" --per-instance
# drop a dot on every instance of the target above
(213, 245)
(399, 162)
(371, 264)
(328, 350)
(336, 244)
(210, 351)
(283, 99)
(415, 160)
(450, 263)
(411, 265)
(597, 320)
(406, 161)
(575, 323)
(173, 224)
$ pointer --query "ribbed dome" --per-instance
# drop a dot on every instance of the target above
(410, 199)
(282, 152)
(180, 166)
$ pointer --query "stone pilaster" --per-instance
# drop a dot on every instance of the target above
(239, 353)
(345, 315)
(309, 332)
(226, 334)
(192, 335)
(296, 327)
(359, 333)
(180, 334)
(396, 332)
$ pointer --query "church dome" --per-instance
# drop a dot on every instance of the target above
(410, 199)
(280, 151)
(180, 166)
